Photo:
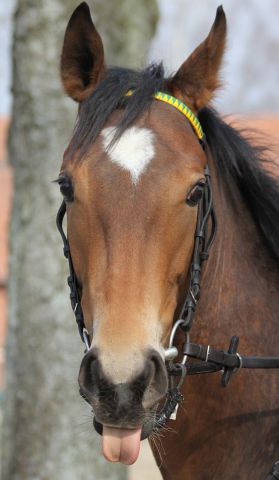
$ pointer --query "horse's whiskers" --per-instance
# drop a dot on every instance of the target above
(153, 437)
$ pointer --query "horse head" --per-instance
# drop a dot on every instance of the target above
(131, 177)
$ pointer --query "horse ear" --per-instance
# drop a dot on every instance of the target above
(197, 78)
(82, 60)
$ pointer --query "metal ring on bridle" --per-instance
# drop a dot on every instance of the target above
(173, 332)
(171, 340)
(171, 352)
(183, 374)
(85, 336)
(237, 369)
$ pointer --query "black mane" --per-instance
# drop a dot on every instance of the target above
(238, 162)
(241, 165)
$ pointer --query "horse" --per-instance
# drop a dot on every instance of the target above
(147, 157)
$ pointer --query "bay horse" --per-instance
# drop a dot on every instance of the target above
(136, 189)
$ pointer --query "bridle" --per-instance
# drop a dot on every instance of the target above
(72, 279)
(209, 360)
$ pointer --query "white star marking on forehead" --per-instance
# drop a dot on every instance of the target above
(133, 151)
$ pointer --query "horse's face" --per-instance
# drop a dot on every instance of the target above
(131, 235)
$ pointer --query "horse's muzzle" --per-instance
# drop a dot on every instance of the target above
(123, 405)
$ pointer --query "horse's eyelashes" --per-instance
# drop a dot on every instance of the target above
(66, 188)
(195, 195)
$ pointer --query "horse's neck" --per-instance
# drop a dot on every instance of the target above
(239, 283)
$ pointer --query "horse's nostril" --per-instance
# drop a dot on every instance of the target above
(88, 374)
(159, 367)
(158, 382)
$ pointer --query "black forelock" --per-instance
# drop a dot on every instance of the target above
(109, 96)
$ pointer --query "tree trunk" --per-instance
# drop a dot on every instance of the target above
(48, 431)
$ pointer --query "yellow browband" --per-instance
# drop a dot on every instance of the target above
(165, 97)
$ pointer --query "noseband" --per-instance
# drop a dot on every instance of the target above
(209, 360)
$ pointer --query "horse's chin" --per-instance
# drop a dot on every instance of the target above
(146, 430)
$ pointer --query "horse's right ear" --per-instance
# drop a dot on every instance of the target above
(82, 59)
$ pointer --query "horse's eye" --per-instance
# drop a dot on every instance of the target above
(195, 194)
(66, 188)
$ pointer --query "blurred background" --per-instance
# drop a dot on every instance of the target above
(46, 431)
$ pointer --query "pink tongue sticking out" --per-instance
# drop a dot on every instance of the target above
(121, 445)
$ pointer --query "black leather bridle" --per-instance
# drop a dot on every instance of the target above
(72, 279)
(209, 360)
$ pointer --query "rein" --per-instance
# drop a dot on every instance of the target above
(209, 360)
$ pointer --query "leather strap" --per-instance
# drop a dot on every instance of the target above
(226, 359)
(72, 279)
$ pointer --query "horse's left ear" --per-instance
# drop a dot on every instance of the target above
(82, 60)
(197, 78)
